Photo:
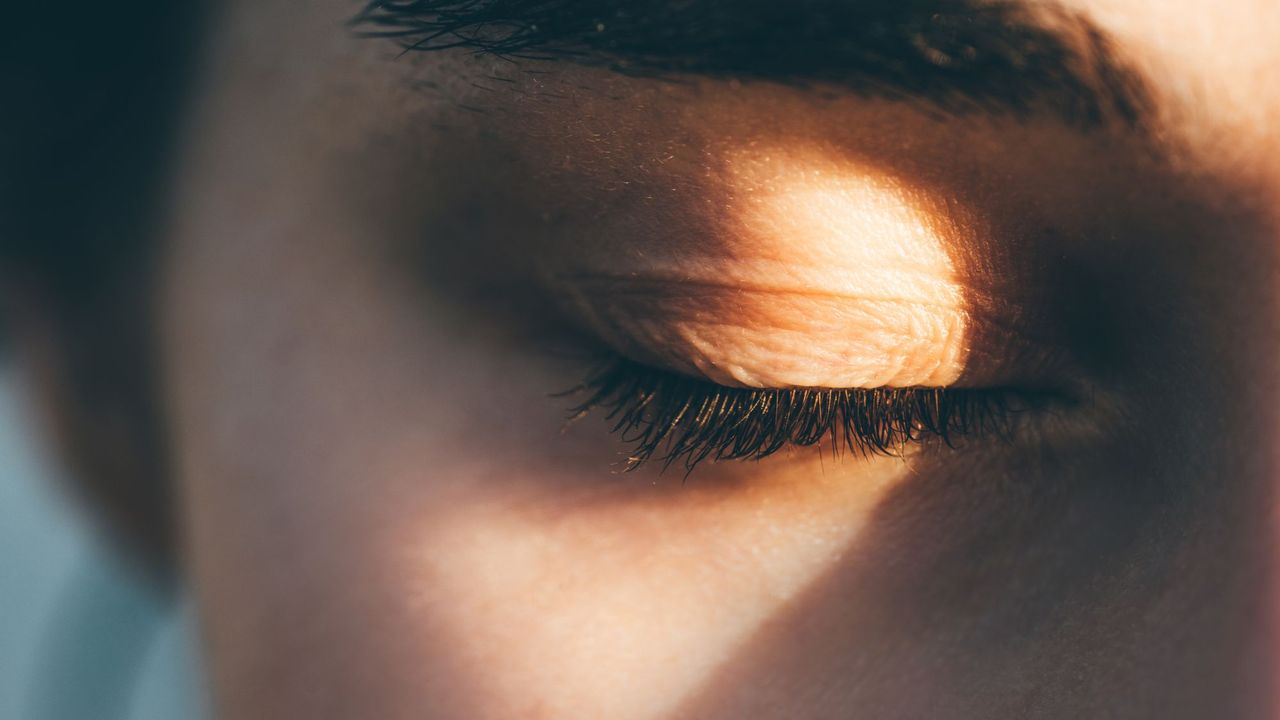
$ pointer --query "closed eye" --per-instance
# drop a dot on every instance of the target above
(675, 419)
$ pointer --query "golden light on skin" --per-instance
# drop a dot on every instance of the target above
(625, 608)
(827, 274)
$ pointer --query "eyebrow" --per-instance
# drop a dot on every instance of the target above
(960, 56)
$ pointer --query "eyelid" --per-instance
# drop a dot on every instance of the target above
(814, 272)
(772, 336)
(778, 337)
(797, 266)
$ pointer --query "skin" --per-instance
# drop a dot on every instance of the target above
(377, 273)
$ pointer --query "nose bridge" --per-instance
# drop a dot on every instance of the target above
(1226, 239)
(1269, 397)
(1248, 357)
(1226, 440)
(1247, 361)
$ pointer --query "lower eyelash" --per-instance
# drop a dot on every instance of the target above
(671, 418)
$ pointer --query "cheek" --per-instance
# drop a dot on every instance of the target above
(555, 596)
(384, 506)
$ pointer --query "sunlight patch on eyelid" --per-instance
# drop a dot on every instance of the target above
(866, 238)
(826, 275)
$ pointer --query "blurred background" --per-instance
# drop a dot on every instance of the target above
(92, 97)
(82, 634)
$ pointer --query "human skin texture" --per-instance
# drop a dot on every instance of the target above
(382, 268)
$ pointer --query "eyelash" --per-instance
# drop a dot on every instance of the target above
(669, 418)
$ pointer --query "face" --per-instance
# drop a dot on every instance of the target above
(532, 388)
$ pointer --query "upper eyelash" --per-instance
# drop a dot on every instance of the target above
(670, 418)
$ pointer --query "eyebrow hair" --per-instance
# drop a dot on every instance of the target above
(961, 56)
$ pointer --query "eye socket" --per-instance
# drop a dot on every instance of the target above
(669, 418)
